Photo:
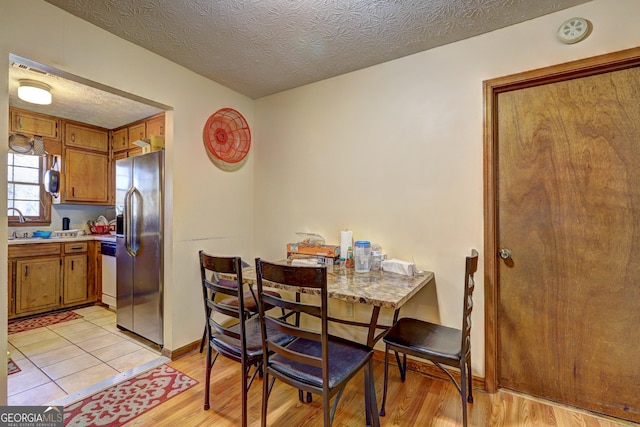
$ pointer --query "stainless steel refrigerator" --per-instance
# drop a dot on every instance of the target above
(139, 250)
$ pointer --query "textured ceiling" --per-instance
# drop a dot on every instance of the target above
(261, 47)
(75, 99)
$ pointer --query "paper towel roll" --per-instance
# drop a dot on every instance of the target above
(346, 240)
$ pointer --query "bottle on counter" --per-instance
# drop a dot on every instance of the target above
(350, 263)
(376, 257)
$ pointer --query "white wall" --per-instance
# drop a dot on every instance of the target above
(206, 208)
(395, 152)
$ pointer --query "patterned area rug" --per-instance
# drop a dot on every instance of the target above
(123, 402)
(12, 368)
(41, 321)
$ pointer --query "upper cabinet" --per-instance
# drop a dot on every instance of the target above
(88, 138)
(136, 132)
(86, 177)
(85, 164)
(148, 128)
(34, 124)
(155, 126)
(120, 139)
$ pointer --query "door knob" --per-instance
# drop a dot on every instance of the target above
(505, 253)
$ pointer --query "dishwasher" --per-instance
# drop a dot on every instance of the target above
(108, 250)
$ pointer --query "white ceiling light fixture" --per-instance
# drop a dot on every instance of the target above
(34, 92)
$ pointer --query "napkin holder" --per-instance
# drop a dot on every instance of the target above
(400, 267)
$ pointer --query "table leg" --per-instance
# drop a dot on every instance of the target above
(371, 337)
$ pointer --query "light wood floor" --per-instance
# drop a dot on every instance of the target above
(420, 401)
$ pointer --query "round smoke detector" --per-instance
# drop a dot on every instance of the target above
(574, 30)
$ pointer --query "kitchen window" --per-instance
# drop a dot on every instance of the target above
(25, 191)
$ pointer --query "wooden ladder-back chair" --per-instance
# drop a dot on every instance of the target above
(315, 361)
(230, 330)
(439, 344)
(250, 302)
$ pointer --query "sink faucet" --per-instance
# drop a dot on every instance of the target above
(21, 218)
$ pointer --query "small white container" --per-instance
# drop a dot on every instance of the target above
(362, 256)
(376, 258)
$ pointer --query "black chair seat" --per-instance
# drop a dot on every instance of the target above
(420, 338)
(347, 358)
(230, 347)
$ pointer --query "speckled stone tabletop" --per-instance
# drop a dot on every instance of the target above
(377, 288)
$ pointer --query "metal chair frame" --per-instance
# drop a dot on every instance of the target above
(439, 344)
(226, 339)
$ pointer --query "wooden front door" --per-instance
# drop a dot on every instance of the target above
(565, 282)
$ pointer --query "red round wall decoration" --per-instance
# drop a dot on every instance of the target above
(227, 136)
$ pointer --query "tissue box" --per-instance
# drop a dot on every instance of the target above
(325, 260)
(399, 267)
(329, 251)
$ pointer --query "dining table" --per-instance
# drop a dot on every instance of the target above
(377, 289)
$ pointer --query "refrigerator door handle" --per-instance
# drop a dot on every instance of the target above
(136, 219)
(129, 220)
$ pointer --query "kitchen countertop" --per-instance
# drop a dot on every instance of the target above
(30, 240)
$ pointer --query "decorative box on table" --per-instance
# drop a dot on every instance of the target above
(325, 254)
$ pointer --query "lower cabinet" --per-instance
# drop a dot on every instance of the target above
(75, 280)
(47, 277)
(37, 285)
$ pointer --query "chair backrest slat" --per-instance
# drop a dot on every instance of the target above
(310, 309)
(305, 277)
(293, 330)
(219, 329)
(471, 266)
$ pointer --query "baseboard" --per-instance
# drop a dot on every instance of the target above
(182, 351)
(426, 368)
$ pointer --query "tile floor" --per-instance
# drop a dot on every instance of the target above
(67, 357)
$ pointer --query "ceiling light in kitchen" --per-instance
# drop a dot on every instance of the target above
(34, 92)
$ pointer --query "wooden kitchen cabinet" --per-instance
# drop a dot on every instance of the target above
(37, 285)
(136, 132)
(10, 290)
(95, 270)
(85, 161)
(78, 286)
(32, 124)
(155, 126)
(86, 177)
(86, 137)
(120, 140)
(75, 279)
(49, 276)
